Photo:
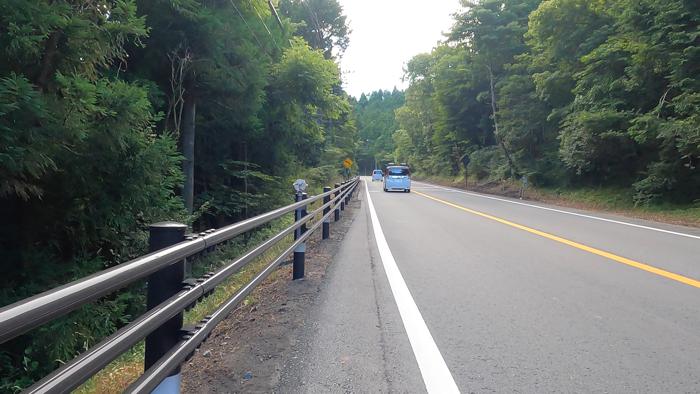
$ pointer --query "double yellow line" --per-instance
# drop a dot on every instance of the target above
(602, 253)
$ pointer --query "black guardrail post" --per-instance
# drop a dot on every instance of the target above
(327, 219)
(162, 285)
(300, 250)
(336, 214)
(304, 211)
(342, 200)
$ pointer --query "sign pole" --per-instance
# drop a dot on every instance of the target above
(465, 162)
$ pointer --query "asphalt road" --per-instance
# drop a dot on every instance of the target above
(440, 290)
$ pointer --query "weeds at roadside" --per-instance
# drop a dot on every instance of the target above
(609, 199)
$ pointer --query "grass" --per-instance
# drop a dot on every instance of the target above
(608, 199)
(117, 376)
(620, 201)
(229, 287)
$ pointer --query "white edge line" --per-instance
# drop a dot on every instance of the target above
(436, 375)
(565, 212)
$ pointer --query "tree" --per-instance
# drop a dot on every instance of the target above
(321, 23)
(376, 124)
(572, 92)
(493, 31)
(208, 59)
(98, 99)
(82, 170)
(300, 96)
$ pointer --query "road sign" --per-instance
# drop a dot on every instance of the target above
(465, 160)
(347, 163)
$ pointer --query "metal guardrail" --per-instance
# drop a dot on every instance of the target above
(22, 316)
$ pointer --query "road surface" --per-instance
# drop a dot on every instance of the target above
(442, 290)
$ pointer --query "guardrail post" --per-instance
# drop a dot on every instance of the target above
(336, 214)
(161, 286)
(326, 219)
(304, 211)
(342, 200)
(300, 250)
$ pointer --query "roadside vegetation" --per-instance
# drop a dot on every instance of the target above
(118, 114)
(614, 200)
(374, 114)
(591, 101)
(121, 372)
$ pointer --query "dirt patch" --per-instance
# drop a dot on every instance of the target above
(498, 188)
(247, 351)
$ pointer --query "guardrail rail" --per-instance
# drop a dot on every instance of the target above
(168, 344)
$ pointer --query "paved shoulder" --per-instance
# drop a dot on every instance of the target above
(354, 340)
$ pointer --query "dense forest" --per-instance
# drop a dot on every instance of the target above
(118, 114)
(567, 92)
(374, 114)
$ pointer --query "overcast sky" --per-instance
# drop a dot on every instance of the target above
(388, 33)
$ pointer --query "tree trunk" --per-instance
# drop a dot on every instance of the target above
(47, 63)
(495, 125)
(188, 150)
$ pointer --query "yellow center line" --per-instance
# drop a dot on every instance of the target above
(611, 256)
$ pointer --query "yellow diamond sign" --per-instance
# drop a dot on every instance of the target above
(347, 163)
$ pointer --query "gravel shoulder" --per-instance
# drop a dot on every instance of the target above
(353, 340)
(248, 350)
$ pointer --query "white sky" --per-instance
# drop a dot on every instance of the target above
(385, 35)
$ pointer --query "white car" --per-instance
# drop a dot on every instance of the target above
(377, 175)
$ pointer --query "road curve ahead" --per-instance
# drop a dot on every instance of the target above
(497, 295)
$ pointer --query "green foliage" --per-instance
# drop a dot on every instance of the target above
(376, 125)
(27, 148)
(305, 76)
(488, 163)
(263, 98)
(586, 93)
(321, 23)
(226, 200)
(91, 114)
(449, 110)
(82, 171)
(304, 115)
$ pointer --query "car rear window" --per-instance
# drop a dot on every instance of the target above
(377, 171)
(398, 171)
